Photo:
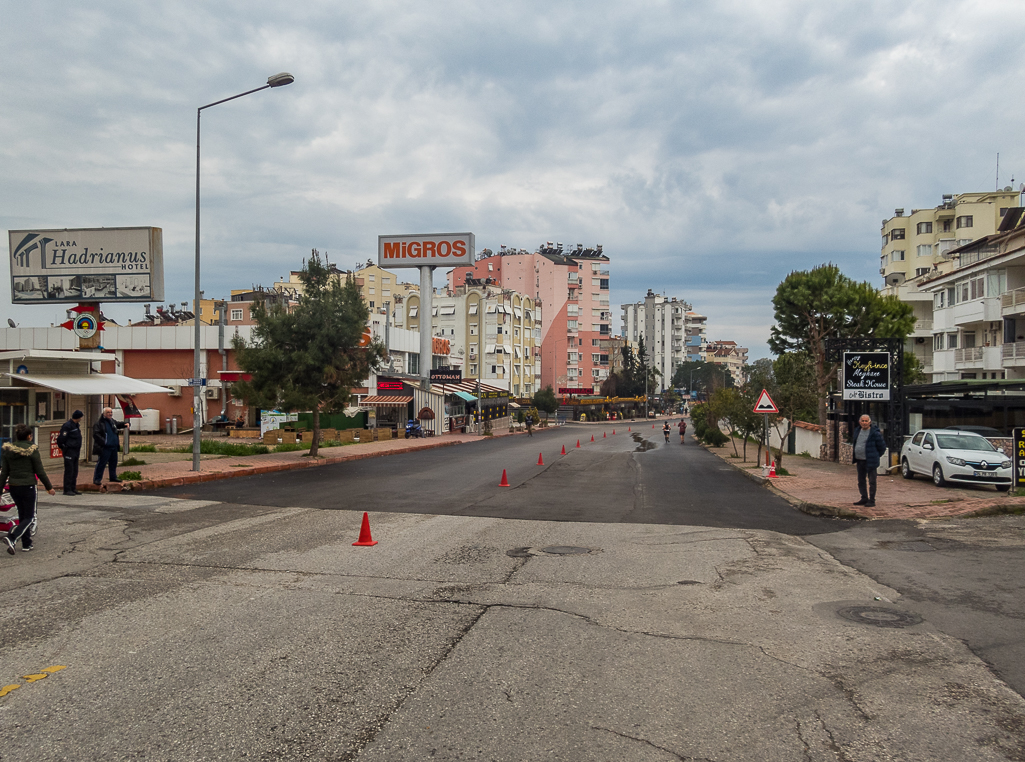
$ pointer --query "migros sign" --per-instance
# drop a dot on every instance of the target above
(429, 249)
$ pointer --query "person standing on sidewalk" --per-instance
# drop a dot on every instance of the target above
(69, 440)
(106, 444)
(869, 446)
(20, 464)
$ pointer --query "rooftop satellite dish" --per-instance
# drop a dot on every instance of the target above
(1021, 188)
(11, 323)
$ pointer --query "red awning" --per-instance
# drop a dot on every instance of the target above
(380, 400)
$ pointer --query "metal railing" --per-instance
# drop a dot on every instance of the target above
(1013, 298)
(968, 354)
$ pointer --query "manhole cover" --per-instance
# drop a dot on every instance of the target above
(880, 617)
(565, 550)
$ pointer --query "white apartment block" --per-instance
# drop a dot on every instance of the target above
(919, 254)
(730, 356)
(672, 333)
(495, 334)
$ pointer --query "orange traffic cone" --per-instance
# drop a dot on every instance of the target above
(364, 533)
(603, 435)
(578, 443)
(772, 471)
(563, 450)
(505, 480)
(592, 437)
(613, 432)
(628, 428)
(540, 460)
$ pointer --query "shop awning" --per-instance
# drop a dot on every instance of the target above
(395, 401)
(93, 383)
(465, 396)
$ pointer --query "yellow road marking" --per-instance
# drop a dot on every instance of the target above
(34, 678)
(7, 689)
(56, 668)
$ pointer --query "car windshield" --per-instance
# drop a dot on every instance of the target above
(962, 442)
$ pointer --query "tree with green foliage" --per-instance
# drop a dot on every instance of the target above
(707, 376)
(795, 394)
(308, 358)
(546, 400)
(914, 370)
(823, 303)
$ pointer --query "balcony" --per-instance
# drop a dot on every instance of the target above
(968, 356)
(984, 358)
(922, 328)
(1013, 355)
(1012, 302)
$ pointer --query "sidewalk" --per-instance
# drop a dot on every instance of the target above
(825, 488)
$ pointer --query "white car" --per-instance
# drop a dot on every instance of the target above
(955, 456)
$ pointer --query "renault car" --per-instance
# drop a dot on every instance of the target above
(954, 456)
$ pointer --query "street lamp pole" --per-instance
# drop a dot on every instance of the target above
(278, 80)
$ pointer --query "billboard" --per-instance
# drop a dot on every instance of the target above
(866, 376)
(86, 265)
(433, 249)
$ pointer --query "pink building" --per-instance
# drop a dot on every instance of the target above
(573, 288)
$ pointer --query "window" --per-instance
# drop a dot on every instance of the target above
(924, 227)
(414, 364)
(595, 281)
(236, 314)
(473, 370)
(921, 271)
(571, 372)
(473, 329)
(948, 225)
(595, 342)
(572, 277)
(896, 256)
(897, 234)
(571, 325)
(924, 250)
(882, 262)
(572, 357)
(968, 339)
(371, 305)
(499, 330)
(386, 292)
(937, 342)
(385, 279)
(951, 341)
(595, 372)
(370, 278)
(595, 266)
(604, 285)
(917, 441)
(371, 290)
(413, 311)
(594, 358)
(964, 221)
(494, 368)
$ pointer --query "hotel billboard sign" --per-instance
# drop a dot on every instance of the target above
(86, 265)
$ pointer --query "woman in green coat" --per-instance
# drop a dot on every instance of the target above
(20, 464)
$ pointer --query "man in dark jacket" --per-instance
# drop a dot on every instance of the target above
(869, 446)
(69, 440)
(106, 444)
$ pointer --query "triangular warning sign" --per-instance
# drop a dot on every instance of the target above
(765, 404)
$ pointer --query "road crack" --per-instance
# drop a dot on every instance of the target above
(629, 737)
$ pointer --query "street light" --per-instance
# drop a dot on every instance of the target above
(278, 80)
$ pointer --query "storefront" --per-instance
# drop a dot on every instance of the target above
(42, 388)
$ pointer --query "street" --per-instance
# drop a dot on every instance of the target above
(629, 600)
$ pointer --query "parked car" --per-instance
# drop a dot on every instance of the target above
(986, 431)
(955, 456)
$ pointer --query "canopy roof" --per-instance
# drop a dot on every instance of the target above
(92, 383)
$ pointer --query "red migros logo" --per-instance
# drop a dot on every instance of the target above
(417, 250)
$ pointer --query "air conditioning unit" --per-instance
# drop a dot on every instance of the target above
(213, 392)
(176, 391)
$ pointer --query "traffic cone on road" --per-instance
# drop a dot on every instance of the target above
(505, 480)
(540, 460)
(592, 437)
(578, 443)
(364, 533)
(603, 435)
(628, 428)
(563, 450)
(772, 471)
(613, 432)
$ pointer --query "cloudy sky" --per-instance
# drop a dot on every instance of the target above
(711, 147)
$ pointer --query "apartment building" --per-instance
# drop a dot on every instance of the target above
(377, 286)
(914, 245)
(927, 244)
(672, 332)
(978, 307)
(730, 356)
(491, 331)
(572, 289)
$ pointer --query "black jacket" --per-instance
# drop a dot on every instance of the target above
(874, 447)
(100, 432)
(70, 438)
(21, 464)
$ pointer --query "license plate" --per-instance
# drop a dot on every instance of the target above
(986, 474)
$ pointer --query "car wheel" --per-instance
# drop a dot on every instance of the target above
(937, 476)
(905, 470)
(1003, 488)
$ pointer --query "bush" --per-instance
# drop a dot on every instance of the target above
(220, 447)
(145, 448)
(130, 476)
(292, 446)
(715, 438)
(133, 462)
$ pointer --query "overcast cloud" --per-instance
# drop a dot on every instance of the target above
(710, 147)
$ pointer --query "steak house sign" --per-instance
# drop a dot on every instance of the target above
(866, 376)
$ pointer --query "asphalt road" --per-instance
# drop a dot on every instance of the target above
(630, 477)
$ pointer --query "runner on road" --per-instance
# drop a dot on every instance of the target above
(683, 430)
(665, 430)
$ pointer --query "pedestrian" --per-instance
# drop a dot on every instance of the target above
(869, 446)
(107, 444)
(20, 464)
(69, 440)
(683, 431)
(530, 424)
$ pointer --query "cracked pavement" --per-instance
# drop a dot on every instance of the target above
(195, 630)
